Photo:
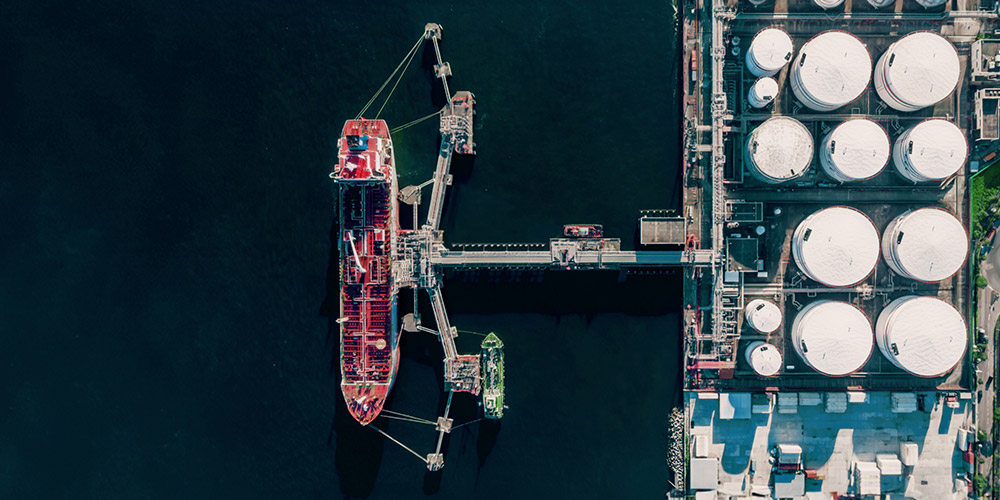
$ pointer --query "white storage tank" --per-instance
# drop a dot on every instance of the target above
(924, 336)
(832, 69)
(833, 337)
(930, 151)
(779, 150)
(855, 150)
(878, 4)
(763, 315)
(931, 3)
(828, 4)
(764, 359)
(836, 246)
(928, 244)
(918, 70)
(762, 92)
(770, 50)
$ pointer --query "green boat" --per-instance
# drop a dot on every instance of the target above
(492, 365)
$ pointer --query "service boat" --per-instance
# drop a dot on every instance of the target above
(369, 335)
(492, 366)
(583, 231)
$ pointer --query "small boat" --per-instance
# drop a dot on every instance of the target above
(583, 231)
(492, 366)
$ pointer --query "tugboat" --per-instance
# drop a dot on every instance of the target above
(583, 231)
(492, 363)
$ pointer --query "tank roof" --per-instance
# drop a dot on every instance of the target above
(925, 336)
(771, 48)
(857, 150)
(833, 337)
(924, 69)
(833, 69)
(939, 148)
(766, 86)
(836, 246)
(780, 149)
(763, 315)
(764, 359)
(928, 244)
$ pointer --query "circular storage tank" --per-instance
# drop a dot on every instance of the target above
(779, 150)
(762, 92)
(836, 246)
(855, 150)
(878, 4)
(763, 315)
(832, 69)
(919, 70)
(928, 244)
(925, 336)
(931, 3)
(764, 358)
(828, 4)
(833, 337)
(770, 50)
(930, 151)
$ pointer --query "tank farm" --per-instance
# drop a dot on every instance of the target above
(828, 150)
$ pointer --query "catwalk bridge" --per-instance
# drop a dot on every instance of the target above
(573, 258)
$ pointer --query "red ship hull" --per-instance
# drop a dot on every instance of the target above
(369, 337)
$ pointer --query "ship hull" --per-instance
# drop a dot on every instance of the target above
(369, 331)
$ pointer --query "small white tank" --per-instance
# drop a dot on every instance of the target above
(763, 315)
(931, 3)
(764, 359)
(779, 150)
(832, 69)
(833, 337)
(762, 92)
(836, 246)
(928, 244)
(930, 151)
(828, 4)
(770, 50)
(918, 70)
(878, 4)
(924, 336)
(855, 150)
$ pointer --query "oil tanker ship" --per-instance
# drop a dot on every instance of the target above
(369, 336)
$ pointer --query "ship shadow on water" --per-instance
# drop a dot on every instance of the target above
(357, 451)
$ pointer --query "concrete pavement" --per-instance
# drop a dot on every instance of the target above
(987, 315)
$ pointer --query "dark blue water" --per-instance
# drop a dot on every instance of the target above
(165, 247)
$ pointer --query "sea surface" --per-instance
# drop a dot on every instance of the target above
(165, 248)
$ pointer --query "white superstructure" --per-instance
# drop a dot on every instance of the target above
(855, 150)
(764, 359)
(831, 70)
(763, 315)
(928, 244)
(925, 336)
(762, 92)
(836, 246)
(770, 50)
(930, 151)
(779, 150)
(918, 70)
(833, 337)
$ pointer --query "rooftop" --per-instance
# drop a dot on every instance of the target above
(833, 442)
